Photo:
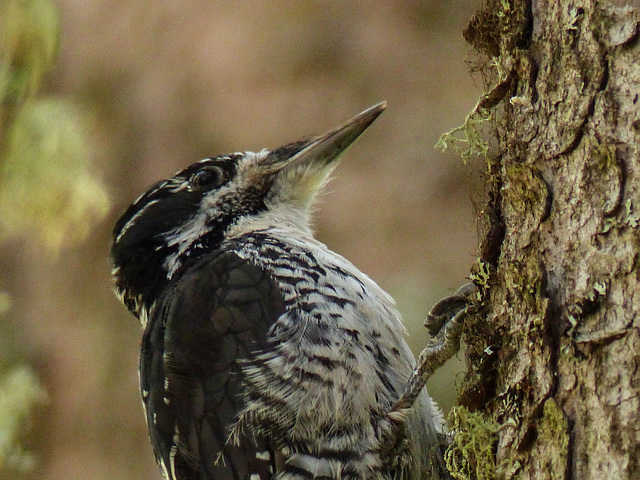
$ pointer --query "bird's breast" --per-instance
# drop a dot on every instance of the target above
(339, 345)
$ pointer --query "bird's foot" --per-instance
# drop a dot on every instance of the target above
(444, 322)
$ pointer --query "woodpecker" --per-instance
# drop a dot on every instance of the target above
(265, 355)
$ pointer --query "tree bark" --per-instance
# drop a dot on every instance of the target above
(553, 359)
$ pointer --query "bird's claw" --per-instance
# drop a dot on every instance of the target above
(449, 307)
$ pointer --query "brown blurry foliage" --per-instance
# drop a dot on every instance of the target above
(149, 87)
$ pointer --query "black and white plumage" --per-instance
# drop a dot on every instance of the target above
(265, 354)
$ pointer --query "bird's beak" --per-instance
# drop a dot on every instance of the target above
(327, 148)
(302, 168)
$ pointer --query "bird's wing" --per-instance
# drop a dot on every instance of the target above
(212, 319)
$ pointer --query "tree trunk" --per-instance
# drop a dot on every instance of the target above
(554, 358)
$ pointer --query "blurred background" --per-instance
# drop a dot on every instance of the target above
(103, 97)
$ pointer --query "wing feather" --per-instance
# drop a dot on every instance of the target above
(213, 319)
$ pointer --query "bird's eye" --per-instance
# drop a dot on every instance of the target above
(210, 176)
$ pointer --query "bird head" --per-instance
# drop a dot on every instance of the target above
(190, 214)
